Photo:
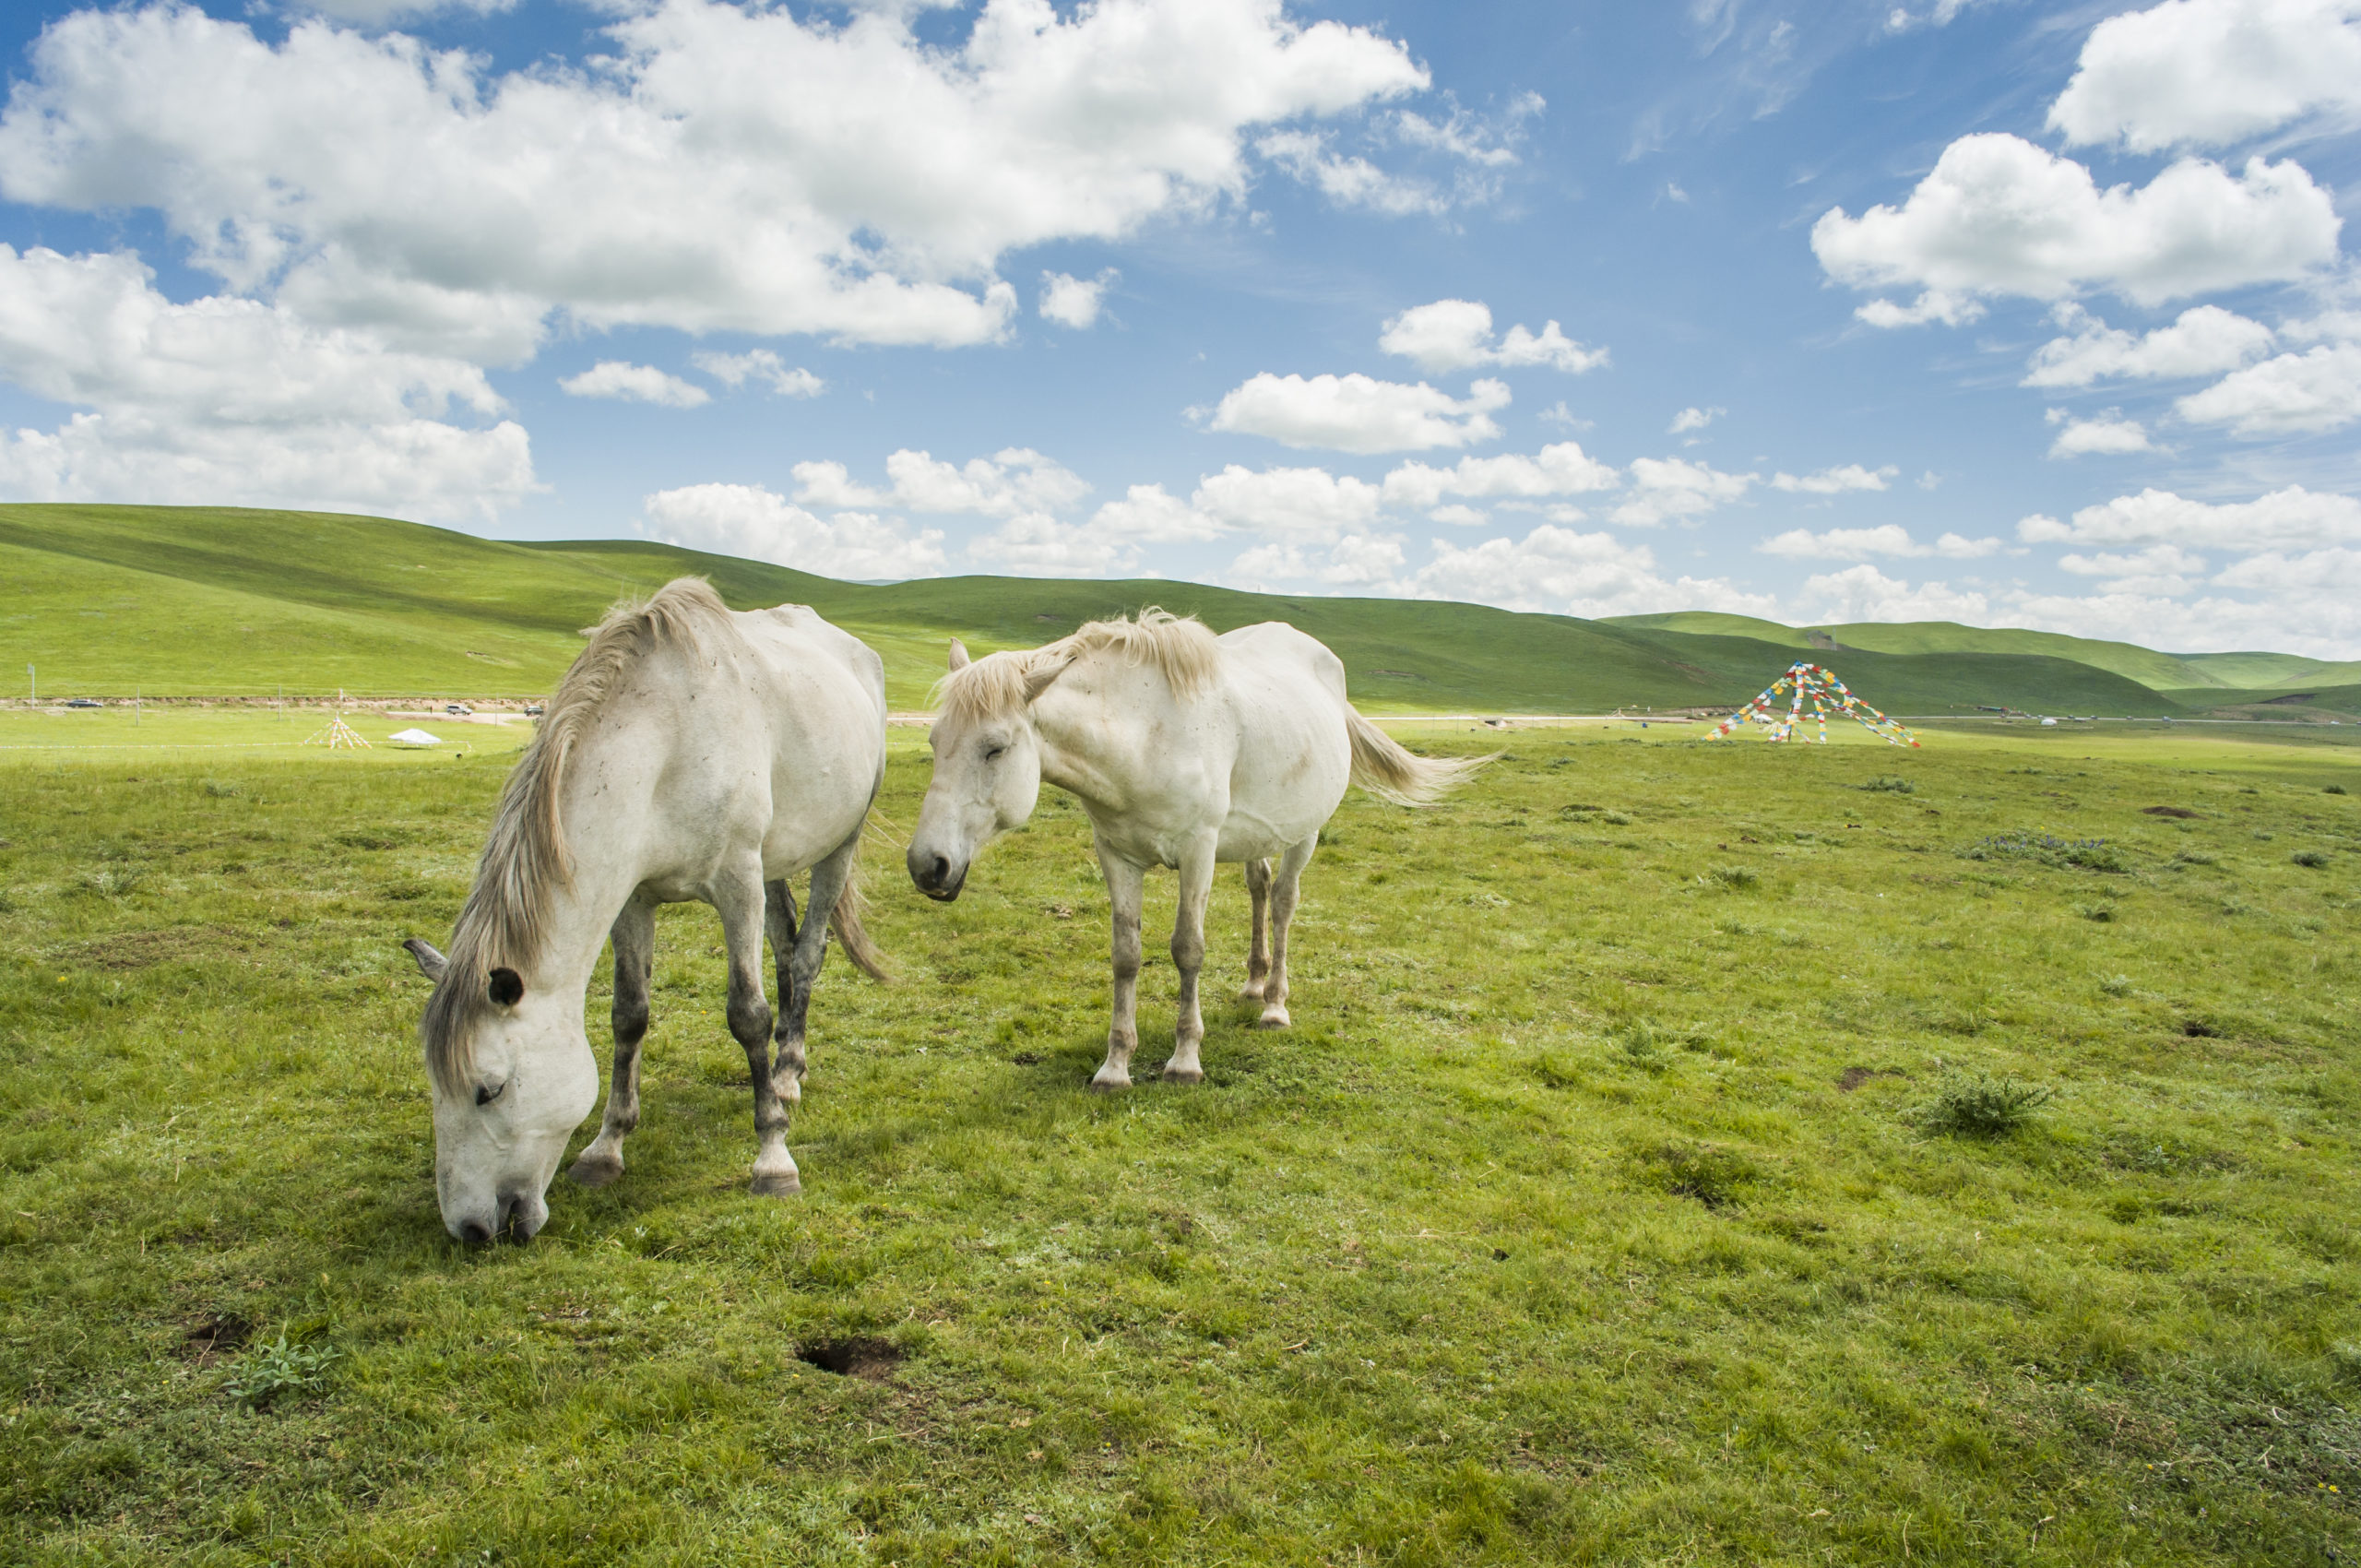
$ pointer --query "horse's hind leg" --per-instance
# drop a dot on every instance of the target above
(1285, 887)
(779, 924)
(740, 903)
(1258, 962)
(1189, 957)
(1124, 893)
(799, 966)
(635, 938)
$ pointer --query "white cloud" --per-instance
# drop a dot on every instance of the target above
(1666, 488)
(1563, 417)
(755, 523)
(1459, 517)
(1860, 544)
(1457, 335)
(2306, 608)
(1934, 305)
(2209, 73)
(759, 364)
(1358, 413)
(1351, 181)
(2293, 519)
(1835, 482)
(724, 168)
(1035, 544)
(1308, 503)
(2160, 569)
(379, 13)
(2000, 216)
(1009, 483)
(2289, 395)
(1074, 302)
(2108, 435)
(1559, 570)
(2206, 340)
(1150, 516)
(1864, 593)
(635, 383)
(1365, 561)
(1562, 469)
(229, 401)
(1467, 137)
(1691, 419)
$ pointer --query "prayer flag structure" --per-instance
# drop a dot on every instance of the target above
(339, 735)
(1823, 690)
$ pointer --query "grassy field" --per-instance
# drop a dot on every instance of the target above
(257, 601)
(1618, 1197)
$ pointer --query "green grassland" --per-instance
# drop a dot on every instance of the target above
(2260, 701)
(1601, 1207)
(174, 602)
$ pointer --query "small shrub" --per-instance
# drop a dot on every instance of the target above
(1714, 1176)
(1734, 877)
(2193, 858)
(271, 1371)
(222, 790)
(1620, 819)
(111, 882)
(2101, 913)
(1886, 786)
(2047, 849)
(2334, 789)
(2311, 858)
(2116, 985)
(1983, 1107)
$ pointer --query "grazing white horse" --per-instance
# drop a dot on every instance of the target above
(691, 753)
(1186, 750)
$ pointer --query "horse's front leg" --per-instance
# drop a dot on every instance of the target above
(779, 923)
(1125, 890)
(1258, 960)
(1286, 884)
(1189, 957)
(799, 968)
(740, 899)
(634, 934)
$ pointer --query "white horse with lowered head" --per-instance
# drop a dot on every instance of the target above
(1186, 750)
(691, 753)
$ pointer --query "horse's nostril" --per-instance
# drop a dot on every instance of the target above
(475, 1232)
(940, 872)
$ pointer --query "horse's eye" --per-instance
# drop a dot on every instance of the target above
(487, 1093)
(995, 753)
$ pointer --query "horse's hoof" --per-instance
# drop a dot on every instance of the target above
(1184, 1074)
(1273, 1018)
(1102, 1084)
(1250, 993)
(589, 1172)
(777, 1184)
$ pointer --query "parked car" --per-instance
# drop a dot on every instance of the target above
(84, 702)
(459, 707)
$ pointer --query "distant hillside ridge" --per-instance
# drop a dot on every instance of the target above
(210, 601)
(2165, 672)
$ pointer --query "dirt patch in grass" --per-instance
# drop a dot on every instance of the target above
(171, 945)
(859, 1357)
(1854, 1077)
(210, 1338)
(2182, 812)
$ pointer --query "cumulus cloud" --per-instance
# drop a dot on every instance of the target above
(2109, 434)
(2211, 72)
(1148, 514)
(1860, 544)
(1358, 413)
(1665, 489)
(635, 383)
(1009, 483)
(382, 13)
(1074, 302)
(2205, 340)
(1034, 544)
(2293, 394)
(1864, 593)
(1693, 419)
(2000, 216)
(759, 364)
(1306, 503)
(2159, 569)
(1457, 335)
(760, 525)
(725, 168)
(1836, 480)
(1365, 561)
(1349, 180)
(231, 401)
(1559, 570)
(2293, 519)
(1561, 469)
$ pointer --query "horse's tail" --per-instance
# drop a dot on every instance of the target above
(1383, 767)
(845, 920)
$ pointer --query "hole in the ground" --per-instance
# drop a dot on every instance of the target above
(872, 1358)
(2198, 1028)
(216, 1336)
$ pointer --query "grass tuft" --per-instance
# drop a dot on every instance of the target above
(1982, 1107)
(1735, 878)
(1887, 785)
(271, 1372)
(2311, 858)
(1714, 1175)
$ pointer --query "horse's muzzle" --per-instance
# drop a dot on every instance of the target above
(934, 876)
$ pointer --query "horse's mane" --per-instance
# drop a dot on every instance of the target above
(1181, 648)
(506, 916)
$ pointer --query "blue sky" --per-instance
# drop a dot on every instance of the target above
(1984, 311)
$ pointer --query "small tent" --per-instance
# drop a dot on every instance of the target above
(414, 738)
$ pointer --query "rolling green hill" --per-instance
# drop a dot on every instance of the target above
(205, 602)
(2263, 702)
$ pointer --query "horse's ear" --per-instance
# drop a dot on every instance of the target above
(429, 963)
(504, 987)
(958, 655)
(1041, 672)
